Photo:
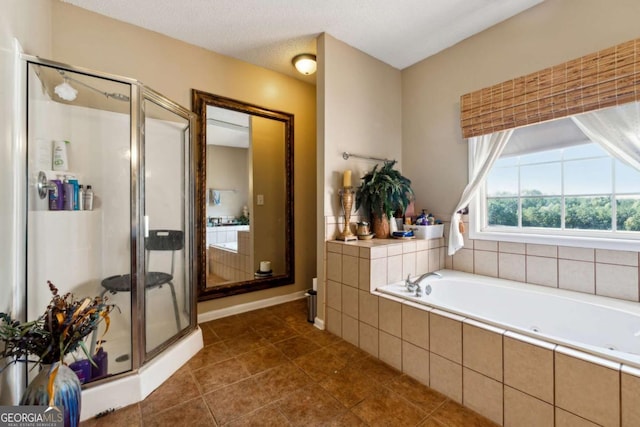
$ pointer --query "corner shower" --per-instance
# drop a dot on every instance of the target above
(133, 147)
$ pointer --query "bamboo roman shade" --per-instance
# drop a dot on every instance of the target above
(605, 78)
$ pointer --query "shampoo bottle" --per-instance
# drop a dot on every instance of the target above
(80, 197)
(60, 161)
(76, 193)
(67, 194)
(55, 196)
(88, 199)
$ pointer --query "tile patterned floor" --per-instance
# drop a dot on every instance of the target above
(270, 367)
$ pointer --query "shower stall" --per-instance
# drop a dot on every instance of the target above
(108, 210)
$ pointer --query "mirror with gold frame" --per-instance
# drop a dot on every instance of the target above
(244, 196)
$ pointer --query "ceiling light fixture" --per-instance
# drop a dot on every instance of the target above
(305, 63)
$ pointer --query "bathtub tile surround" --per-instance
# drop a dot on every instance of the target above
(507, 377)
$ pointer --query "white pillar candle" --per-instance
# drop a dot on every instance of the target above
(265, 266)
(346, 179)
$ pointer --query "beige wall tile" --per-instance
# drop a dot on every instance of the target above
(435, 263)
(630, 396)
(378, 273)
(369, 339)
(351, 249)
(512, 248)
(393, 250)
(334, 247)
(528, 368)
(378, 252)
(445, 376)
(365, 252)
(350, 266)
(445, 337)
(390, 350)
(576, 276)
(350, 301)
(549, 251)
(482, 394)
(567, 419)
(415, 326)
(441, 255)
(364, 274)
(334, 321)
(334, 295)
(617, 257)
(408, 247)
(485, 263)
(486, 245)
(617, 281)
(394, 269)
(576, 254)
(415, 362)
(511, 266)
(368, 308)
(350, 329)
(588, 390)
(408, 264)
(334, 267)
(422, 262)
(522, 410)
(390, 316)
(482, 351)
(463, 260)
(542, 271)
(422, 245)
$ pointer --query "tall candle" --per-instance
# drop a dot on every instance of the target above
(346, 179)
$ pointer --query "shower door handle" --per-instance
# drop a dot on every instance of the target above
(146, 226)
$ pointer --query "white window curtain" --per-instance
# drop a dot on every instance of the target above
(484, 151)
(617, 130)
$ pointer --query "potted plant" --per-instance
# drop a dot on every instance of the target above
(46, 341)
(382, 192)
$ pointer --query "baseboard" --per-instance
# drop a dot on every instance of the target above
(318, 323)
(249, 306)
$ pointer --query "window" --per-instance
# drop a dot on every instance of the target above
(553, 183)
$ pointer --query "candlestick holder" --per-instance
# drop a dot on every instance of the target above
(346, 197)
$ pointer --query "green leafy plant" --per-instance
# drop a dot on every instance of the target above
(56, 333)
(383, 191)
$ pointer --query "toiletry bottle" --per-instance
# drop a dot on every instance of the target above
(55, 196)
(76, 190)
(60, 161)
(80, 197)
(102, 368)
(67, 194)
(88, 199)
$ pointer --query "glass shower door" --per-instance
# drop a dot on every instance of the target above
(167, 247)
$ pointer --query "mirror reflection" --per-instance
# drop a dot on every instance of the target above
(246, 186)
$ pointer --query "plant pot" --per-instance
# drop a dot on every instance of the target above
(380, 226)
(66, 392)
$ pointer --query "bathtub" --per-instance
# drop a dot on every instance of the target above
(229, 246)
(597, 325)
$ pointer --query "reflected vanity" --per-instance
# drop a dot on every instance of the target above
(244, 196)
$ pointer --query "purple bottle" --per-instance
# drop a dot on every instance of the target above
(55, 196)
(67, 195)
(101, 360)
(82, 368)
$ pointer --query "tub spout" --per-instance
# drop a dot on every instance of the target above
(415, 285)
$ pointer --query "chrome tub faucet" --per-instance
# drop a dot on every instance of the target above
(415, 285)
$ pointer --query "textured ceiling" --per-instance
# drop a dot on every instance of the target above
(269, 33)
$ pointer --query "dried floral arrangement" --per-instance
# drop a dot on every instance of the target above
(58, 332)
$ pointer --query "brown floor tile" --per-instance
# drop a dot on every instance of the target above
(377, 370)
(281, 381)
(349, 419)
(208, 336)
(296, 346)
(424, 397)
(129, 416)
(236, 400)
(276, 333)
(262, 359)
(218, 375)
(430, 422)
(193, 413)
(320, 363)
(452, 414)
(388, 409)
(244, 343)
(269, 416)
(322, 338)
(179, 388)
(230, 328)
(347, 350)
(349, 386)
(310, 406)
(209, 355)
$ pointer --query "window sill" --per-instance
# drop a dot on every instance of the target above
(618, 244)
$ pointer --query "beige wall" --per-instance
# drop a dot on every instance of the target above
(228, 169)
(359, 111)
(433, 151)
(173, 68)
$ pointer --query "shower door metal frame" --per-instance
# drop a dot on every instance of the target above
(138, 93)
